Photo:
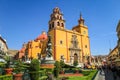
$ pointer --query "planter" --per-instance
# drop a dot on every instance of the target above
(8, 71)
(18, 76)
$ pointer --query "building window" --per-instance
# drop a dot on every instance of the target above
(30, 46)
(85, 46)
(60, 18)
(57, 17)
(36, 46)
(62, 24)
(61, 42)
(52, 24)
(58, 23)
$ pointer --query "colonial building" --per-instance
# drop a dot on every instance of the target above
(35, 47)
(3, 48)
(115, 53)
(99, 60)
(118, 34)
(69, 45)
(3, 45)
(21, 53)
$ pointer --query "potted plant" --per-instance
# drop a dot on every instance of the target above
(19, 68)
(8, 68)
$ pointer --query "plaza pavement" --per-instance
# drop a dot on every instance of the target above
(100, 76)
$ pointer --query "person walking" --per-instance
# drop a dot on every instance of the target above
(100, 70)
(113, 69)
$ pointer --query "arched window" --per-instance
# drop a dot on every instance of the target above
(57, 17)
(62, 24)
(60, 18)
(49, 26)
(52, 24)
(58, 23)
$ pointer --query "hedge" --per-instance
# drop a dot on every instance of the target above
(43, 78)
(6, 77)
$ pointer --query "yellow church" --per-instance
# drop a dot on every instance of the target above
(68, 45)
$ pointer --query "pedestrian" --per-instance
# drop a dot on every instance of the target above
(113, 69)
(100, 70)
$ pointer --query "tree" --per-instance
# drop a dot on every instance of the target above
(75, 63)
(56, 69)
(34, 69)
(62, 64)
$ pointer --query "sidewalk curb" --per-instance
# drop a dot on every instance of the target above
(95, 76)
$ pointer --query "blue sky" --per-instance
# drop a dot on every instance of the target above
(24, 20)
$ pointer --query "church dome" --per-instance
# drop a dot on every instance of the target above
(42, 37)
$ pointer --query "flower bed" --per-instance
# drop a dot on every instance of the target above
(68, 75)
(86, 75)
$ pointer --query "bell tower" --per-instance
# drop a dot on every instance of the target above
(56, 19)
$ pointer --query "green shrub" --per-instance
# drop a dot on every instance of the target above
(68, 66)
(42, 73)
(56, 69)
(47, 70)
(34, 69)
(62, 64)
(86, 73)
(43, 78)
(6, 77)
(75, 63)
(19, 66)
(34, 75)
(90, 75)
(35, 65)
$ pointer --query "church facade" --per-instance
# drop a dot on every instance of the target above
(69, 45)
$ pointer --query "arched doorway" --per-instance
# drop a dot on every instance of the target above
(75, 57)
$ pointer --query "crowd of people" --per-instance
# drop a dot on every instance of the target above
(104, 69)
